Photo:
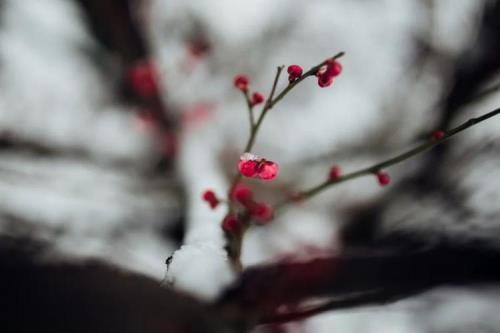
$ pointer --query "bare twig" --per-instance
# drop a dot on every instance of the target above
(251, 119)
(267, 106)
(307, 194)
(235, 239)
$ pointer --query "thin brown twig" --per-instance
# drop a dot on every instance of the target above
(254, 127)
(310, 72)
(307, 194)
(251, 119)
(267, 106)
(235, 240)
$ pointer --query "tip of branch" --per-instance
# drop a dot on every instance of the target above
(338, 55)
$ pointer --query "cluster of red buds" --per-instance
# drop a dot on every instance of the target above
(241, 82)
(335, 175)
(253, 166)
(243, 208)
(243, 195)
(211, 198)
(326, 73)
(260, 212)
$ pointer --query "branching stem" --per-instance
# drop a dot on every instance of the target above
(311, 192)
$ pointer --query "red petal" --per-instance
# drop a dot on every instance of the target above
(248, 168)
(334, 68)
(268, 171)
(325, 80)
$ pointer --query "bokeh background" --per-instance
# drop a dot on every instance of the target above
(100, 162)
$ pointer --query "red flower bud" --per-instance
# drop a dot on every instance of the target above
(294, 71)
(383, 178)
(242, 194)
(335, 173)
(322, 70)
(327, 72)
(241, 82)
(253, 166)
(257, 98)
(325, 81)
(334, 68)
(248, 168)
(438, 135)
(267, 170)
(261, 212)
(230, 224)
(142, 78)
(210, 197)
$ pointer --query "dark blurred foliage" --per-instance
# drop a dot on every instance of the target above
(356, 278)
(118, 28)
(41, 295)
